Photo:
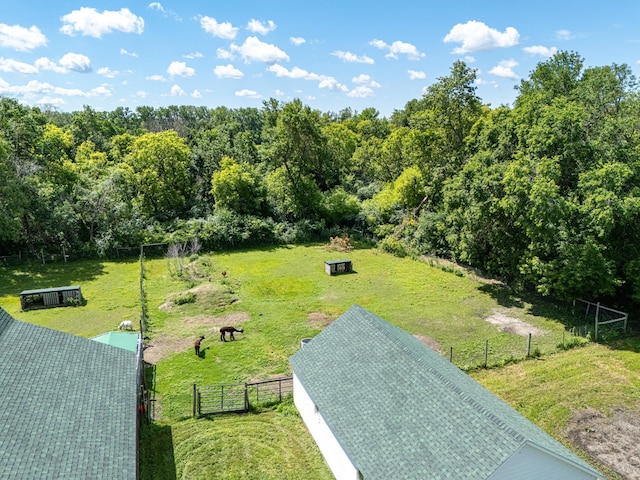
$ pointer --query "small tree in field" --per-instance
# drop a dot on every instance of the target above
(178, 255)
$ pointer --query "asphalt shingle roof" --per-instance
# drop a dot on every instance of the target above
(400, 410)
(67, 405)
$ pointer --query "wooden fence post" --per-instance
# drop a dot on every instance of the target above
(486, 352)
(529, 345)
(451, 354)
(195, 389)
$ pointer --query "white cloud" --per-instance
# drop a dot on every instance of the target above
(180, 69)
(262, 28)
(34, 87)
(504, 69)
(43, 63)
(228, 71)
(54, 102)
(365, 80)
(196, 94)
(101, 91)
(352, 58)
(221, 30)
(254, 50)
(176, 91)
(564, 35)
(107, 72)
(131, 54)
(90, 22)
(141, 94)
(362, 78)
(476, 36)
(397, 48)
(167, 13)
(12, 66)
(298, 73)
(20, 38)
(193, 55)
(156, 78)
(480, 81)
(295, 72)
(361, 92)
(540, 51)
(224, 54)
(297, 41)
(76, 62)
(331, 84)
(248, 93)
(415, 75)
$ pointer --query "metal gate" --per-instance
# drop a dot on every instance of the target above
(237, 397)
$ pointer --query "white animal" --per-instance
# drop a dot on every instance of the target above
(125, 325)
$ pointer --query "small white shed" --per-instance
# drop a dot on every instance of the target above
(380, 404)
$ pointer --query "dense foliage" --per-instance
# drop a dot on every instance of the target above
(546, 191)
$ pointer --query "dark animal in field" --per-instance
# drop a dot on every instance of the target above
(196, 345)
(230, 330)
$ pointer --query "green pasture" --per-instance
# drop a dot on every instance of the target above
(283, 295)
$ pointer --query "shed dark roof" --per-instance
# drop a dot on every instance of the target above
(67, 405)
(400, 410)
(47, 290)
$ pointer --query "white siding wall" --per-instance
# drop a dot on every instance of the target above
(334, 455)
(531, 463)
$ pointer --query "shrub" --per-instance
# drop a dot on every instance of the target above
(340, 244)
(188, 297)
(572, 343)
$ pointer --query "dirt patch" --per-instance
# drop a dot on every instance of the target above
(611, 440)
(319, 319)
(512, 325)
(163, 346)
(429, 342)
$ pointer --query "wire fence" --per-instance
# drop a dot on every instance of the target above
(239, 397)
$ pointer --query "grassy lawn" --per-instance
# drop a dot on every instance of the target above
(281, 295)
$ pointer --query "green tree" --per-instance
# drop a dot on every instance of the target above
(237, 186)
(12, 200)
(297, 150)
(157, 171)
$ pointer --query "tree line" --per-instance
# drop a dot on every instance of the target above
(544, 191)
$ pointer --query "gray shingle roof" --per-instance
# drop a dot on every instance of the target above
(400, 410)
(67, 405)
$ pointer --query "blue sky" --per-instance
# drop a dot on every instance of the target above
(331, 54)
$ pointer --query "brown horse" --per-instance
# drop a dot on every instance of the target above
(225, 330)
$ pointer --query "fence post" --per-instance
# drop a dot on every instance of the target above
(529, 345)
(596, 327)
(451, 354)
(194, 399)
(246, 397)
(486, 352)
